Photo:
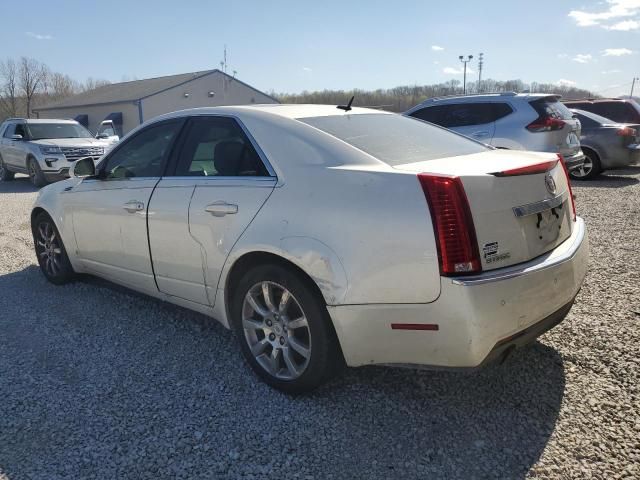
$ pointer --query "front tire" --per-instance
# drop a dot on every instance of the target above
(50, 251)
(5, 174)
(284, 330)
(35, 174)
(591, 168)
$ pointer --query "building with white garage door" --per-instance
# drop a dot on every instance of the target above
(128, 104)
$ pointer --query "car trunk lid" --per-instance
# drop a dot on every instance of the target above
(519, 202)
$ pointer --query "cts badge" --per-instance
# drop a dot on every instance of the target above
(550, 183)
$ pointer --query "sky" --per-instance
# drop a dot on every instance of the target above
(291, 46)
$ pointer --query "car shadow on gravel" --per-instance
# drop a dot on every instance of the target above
(98, 381)
(18, 185)
(623, 177)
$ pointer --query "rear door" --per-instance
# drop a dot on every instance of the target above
(216, 186)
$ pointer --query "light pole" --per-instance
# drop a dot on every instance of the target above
(464, 78)
(480, 65)
(633, 84)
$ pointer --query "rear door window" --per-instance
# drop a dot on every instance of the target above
(468, 114)
(617, 111)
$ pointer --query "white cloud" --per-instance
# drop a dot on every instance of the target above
(563, 55)
(616, 9)
(609, 72)
(582, 58)
(616, 52)
(566, 83)
(437, 48)
(456, 71)
(625, 26)
(38, 36)
(306, 69)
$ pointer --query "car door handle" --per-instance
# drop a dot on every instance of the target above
(483, 133)
(133, 206)
(220, 209)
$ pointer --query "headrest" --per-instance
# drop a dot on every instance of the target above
(226, 157)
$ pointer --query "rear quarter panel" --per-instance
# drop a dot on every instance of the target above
(359, 228)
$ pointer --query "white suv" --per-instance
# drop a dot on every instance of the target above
(518, 121)
(44, 149)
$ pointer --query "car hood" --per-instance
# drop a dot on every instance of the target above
(71, 142)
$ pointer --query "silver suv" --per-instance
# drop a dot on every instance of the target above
(44, 149)
(519, 121)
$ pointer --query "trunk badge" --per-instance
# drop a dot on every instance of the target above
(550, 183)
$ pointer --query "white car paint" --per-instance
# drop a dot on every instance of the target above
(360, 229)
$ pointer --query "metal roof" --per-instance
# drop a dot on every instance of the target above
(132, 91)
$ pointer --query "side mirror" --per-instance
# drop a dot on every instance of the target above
(16, 137)
(83, 168)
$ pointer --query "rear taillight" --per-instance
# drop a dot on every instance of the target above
(566, 174)
(543, 167)
(546, 124)
(455, 234)
(626, 132)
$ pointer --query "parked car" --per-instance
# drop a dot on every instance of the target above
(516, 121)
(606, 144)
(324, 236)
(44, 149)
(108, 131)
(620, 110)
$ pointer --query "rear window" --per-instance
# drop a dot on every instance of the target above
(395, 139)
(551, 107)
(621, 112)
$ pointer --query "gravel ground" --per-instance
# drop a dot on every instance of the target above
(97, 382)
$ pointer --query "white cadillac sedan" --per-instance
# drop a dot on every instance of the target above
(325, 235)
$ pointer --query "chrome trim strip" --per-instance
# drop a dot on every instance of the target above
(541, 206)
(530, 267)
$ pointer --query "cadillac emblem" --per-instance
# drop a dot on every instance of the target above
(550, 183)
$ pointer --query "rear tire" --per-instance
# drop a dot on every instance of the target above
(35, 174)
(284, 330)
(591, 168)
(50, 252)
(5, 174)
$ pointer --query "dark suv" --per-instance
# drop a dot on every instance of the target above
(620, 110)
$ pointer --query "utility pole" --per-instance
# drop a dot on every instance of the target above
(480, 65)
(464, 78)
(633, 84)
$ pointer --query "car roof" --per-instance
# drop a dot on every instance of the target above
(293, 111)
(597, 100)
(489, 96)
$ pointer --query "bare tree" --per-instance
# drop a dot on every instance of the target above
(58, 86)
(32, 75)
(9, 88)
(93, 83)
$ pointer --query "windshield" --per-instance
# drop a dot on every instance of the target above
(395, 139)
(41, 131)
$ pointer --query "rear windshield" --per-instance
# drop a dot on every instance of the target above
(395, 139)
(551, 107)
(40, 131)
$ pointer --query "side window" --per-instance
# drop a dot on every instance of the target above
(430, 114)
(142, 155)
(615, 111)
(9, 131)
(586, 121)
(500, 110)
(467, 114)
(20, 130)
(217, 146)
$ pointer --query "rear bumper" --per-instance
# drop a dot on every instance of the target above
(574, 161)
(478, 318)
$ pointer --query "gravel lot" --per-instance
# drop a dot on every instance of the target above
(98, 382)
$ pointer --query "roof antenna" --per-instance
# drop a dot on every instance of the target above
(347, 107)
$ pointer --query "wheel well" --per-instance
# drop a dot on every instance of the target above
(254, 259)
(591, 150)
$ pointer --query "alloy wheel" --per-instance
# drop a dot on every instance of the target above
(48, 249)
(32, 172)
(585, 169)
(276, 330)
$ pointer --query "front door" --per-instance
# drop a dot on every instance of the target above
(110, 213)
(199, 210)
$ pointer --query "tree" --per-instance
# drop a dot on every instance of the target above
(93, 83)
(32, 75)
(9, 88)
